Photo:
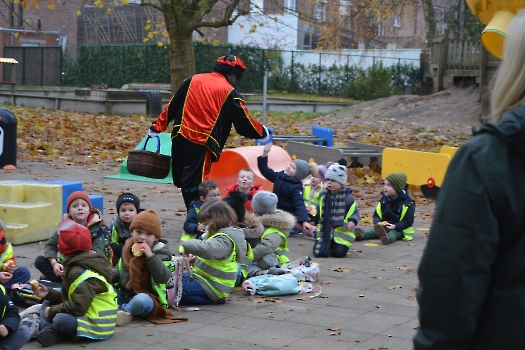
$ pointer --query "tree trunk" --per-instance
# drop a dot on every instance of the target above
(182, 60)
(430, 20)
(461, 19)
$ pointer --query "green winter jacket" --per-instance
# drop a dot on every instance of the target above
(472, 273)
(85, 292)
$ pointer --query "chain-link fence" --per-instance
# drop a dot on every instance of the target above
(40, 66)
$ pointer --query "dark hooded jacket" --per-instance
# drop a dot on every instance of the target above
(83, 295)
(472, 273)
(288, 189)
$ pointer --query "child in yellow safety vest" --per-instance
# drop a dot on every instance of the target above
(192, 227)
(394, 214)
(10, 273)
(143, 271)
(338, 215)
(217, 256)
(86, 306)
(272, 250)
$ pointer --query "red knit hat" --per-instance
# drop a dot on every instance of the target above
(73, 238)
(78, 195)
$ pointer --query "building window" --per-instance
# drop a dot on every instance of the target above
(346, 14)
(289, 4)
(320, 11)
(380, 29)
(397, 21)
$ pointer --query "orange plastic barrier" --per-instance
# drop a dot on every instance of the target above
(225, 171)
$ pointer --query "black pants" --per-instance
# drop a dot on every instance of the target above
(190, 165)
(43, 265)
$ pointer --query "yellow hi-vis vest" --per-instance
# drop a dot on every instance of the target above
(306, 195)
(7, 254)
(101, 317)
(282, 250)
(158, 288)
(186, 236)
(339, 235)
(247, 261)
(219, 275)
(408, 233)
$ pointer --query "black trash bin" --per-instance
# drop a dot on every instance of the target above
(7, 138)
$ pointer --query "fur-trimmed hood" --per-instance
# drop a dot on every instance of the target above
(281, 220)
(251, 226)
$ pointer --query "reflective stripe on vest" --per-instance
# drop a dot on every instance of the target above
(186, 236)
(101, 317)
(408, 233)
(281, 250)
(339, 235)
(219, 275)
(5, 306)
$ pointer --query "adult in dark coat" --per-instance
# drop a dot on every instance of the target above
(472, 273)
(203, 110)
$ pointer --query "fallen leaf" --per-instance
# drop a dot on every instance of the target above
(403, 267)
(340, 269)
(393, 287)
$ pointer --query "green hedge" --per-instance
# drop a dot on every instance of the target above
(116, 65)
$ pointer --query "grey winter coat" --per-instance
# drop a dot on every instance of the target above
(472, 273)
(220, 247)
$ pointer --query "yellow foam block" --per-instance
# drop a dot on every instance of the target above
(11, 192)
(37, 216)
(418, 166)
(449, 150)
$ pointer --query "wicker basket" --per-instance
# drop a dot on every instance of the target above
(149, 164)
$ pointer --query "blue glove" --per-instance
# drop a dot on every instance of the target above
(152, 133)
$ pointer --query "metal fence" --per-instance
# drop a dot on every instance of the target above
(40, 66)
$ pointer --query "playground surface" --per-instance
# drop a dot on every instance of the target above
(367, 300)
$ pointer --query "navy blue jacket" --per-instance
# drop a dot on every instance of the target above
(288, 189)
(191, 223)
(10, 318)
(391, 211)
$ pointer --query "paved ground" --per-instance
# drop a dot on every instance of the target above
(367, 301)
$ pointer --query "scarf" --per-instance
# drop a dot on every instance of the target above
(140, 282)
(334, 211)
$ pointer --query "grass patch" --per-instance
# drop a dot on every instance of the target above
(276, 116)
(304, 97)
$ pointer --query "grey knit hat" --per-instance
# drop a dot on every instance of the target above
(338, 173)
(398, 181)
(264, 202)
(303, 169)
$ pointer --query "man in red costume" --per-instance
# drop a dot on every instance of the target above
(203, 110)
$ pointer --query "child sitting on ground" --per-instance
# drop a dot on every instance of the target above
(337, 213)
(10, 273)
(87, 305)
(217, 256)
(272, 251)
(394, 214)
(142, 272)
(244, 184)
(128, 206)
(289, 188)
(80, 210)
(193, 229)
(12, 335)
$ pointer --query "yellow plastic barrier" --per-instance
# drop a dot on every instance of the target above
(418, 166)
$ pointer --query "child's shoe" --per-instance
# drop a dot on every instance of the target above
(381, 233)
(50, 337)
(359, 234)
(295, 233)
(123, 317)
